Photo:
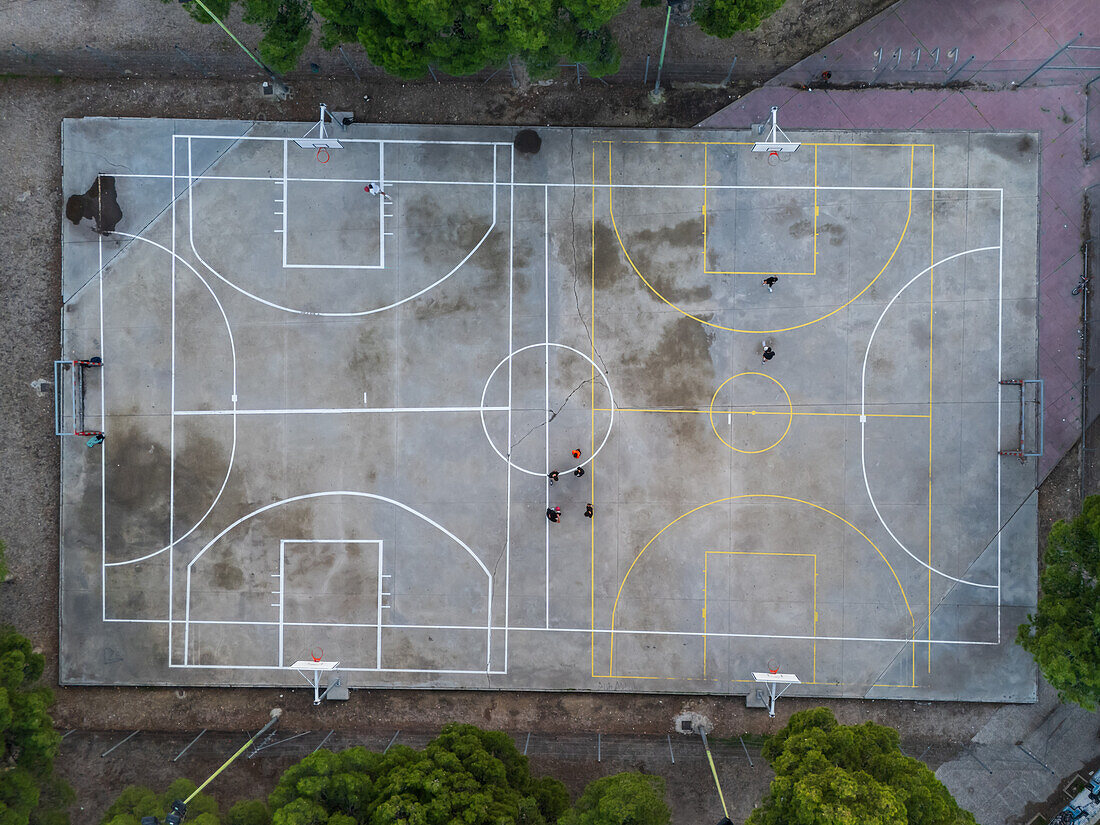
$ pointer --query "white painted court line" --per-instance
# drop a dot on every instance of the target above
(487, 627)
(341, 410)
(103, 445)
(232, 412)
(172, 421)
(863, 418)
(546, 369)
(539, 629)
(586, 186)
(511, 332)
(348, 314)
(1000, 375)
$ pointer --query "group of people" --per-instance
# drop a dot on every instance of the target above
(554, 513)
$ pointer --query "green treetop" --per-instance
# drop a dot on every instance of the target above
(832, 774)
(30, 794)
(723, 18)
(137, 801)
(465, 776)
(622, 799)
(1064, 633)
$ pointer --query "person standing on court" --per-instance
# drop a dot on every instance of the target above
(374, 189)
(768, 353)
(588, 510)
(554, 514)
(553, 476)
(769, 282)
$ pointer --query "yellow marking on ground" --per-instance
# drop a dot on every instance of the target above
(706, 271)
(790, 413)
(704, 208)
(931, 293)
(760, 412)
(592, 406)
(615, 606)
(622, 245)
(707, 553)
(751, 143)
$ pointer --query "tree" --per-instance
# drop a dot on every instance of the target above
(30, 794)
(1063, 635)
(462, 37)
(622, 799)
(829, 774)
(723, 18)
(137, 801)
(465, 775)
(248, 812)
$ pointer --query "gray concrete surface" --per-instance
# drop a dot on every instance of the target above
(329, 416)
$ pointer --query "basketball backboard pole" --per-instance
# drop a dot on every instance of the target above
(777, 140)
(317, 667)
(777, 685)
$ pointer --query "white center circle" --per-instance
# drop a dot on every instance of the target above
(509, 357)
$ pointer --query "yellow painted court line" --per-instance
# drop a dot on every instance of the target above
(707, 553)
(931, 293)
(622, 245)
(615, 606)
(592, 406)
(761, 412)
(813, 270)
(751, 143)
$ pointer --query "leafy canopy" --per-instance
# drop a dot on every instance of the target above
(137, 801)
(465, 776)
(30, 794)
(622, 799)
(462, 37)
(832, 774)
(1064, 634)
(723, 18)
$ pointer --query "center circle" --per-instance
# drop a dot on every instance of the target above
(547, 345)
(790, 413)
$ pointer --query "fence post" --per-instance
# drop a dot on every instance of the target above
(512, 72)
(187, 57)
(645, 80)
(103, 57)
(432, 72)
(953, 74)
(347, 60)
(729, 74)
(1050, 59)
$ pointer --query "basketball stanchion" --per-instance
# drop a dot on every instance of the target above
(315, 664)
(773, 679)
(70, 419)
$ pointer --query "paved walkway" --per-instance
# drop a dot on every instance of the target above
(1008, 39)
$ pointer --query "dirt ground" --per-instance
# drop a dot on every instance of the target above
(31, 207)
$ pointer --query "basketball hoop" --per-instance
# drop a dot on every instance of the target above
(317, 654)
(322, 154)
(773, 666)
(773, 158)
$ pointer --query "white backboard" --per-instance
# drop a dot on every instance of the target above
(317, 143)
(784, 678)
(775, 147)
(309, 664)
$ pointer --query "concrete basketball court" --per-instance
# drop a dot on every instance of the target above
(329, 416)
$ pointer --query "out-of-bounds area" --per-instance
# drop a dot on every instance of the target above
(329, 416)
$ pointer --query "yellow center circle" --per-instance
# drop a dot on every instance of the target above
(790, 412)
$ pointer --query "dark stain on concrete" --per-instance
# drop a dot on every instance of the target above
(137, 492)
(1025, 144)
(227, 576)
(371, 354)
(672, 292)
(201, 462)
(1009, 147)
(611, 267)
(679, 369)
(835, 231)
(686, 235)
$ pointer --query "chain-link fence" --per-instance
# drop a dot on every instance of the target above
(349, 63)
(882, 67)
(1089, 355)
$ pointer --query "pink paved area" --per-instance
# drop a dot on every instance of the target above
(996, 31)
